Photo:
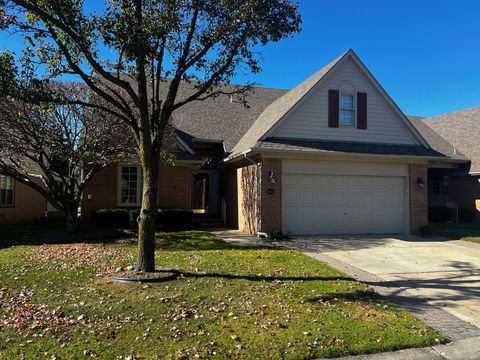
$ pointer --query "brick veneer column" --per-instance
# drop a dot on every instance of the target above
(270, 204)
(418, 197)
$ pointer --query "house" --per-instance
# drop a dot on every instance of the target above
(334, 155)
(19, 202)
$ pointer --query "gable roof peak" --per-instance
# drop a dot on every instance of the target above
(279, 108)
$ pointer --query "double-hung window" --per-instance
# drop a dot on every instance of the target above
(347, 109)
(7, 190)
(130, 185)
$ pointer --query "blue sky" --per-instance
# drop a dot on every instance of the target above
(425, 53)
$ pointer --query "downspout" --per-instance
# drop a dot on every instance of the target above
(257, 195)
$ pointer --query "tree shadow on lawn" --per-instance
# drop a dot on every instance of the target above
(52, 232)
(197, 240)
(264, 278)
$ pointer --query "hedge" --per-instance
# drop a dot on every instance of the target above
(440, 214)
(112, 218)
(124, 218)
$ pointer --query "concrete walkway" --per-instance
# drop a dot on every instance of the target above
(436, 280)
(466, 349)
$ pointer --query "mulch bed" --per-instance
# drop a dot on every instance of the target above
(159, 275)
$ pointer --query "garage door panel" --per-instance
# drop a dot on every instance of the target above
(290, 179)
(343, 204)
(321, 196)
(336, 196)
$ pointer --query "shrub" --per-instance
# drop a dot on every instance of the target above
(112, 218)
(124, 218)
(439, 214)
(278, 235)
(425, 230)
(466, 215)
(174, 218)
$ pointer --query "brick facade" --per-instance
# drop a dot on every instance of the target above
(28, 205)
(418, 197)
(175, 186)
(270, 201)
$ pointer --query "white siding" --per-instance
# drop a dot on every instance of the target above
(310, 119)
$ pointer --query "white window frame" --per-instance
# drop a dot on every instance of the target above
(353, 109)
(13, 190)
(139, 185)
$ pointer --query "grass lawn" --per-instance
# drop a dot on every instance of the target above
(57, 301)
(468, 232)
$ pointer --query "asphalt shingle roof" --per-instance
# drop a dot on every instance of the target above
(437, 142)
(220, 118)
(461, 129)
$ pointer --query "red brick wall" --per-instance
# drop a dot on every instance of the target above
(175, 187)
(102, 191)
(418, 197)
(28, 205)
(465, 192)
(270, 205)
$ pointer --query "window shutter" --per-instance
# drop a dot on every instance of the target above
(362, 110)
(333, 105)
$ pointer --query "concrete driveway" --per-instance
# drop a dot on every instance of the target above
(446, 274)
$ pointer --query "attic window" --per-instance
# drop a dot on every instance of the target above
(347, 109)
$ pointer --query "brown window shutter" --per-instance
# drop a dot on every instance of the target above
(333, 105)
(362, 110)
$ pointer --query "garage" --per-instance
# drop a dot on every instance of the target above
(323, 197)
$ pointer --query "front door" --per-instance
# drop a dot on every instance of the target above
(206, 192)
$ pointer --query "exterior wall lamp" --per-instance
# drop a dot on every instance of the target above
(420, 183)
(271, 176)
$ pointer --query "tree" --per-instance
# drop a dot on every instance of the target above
(125, 51)
(56, 142)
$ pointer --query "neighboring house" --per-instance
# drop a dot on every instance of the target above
(455, 182)
(19, 203)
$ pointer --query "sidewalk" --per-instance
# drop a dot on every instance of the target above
(466, 349)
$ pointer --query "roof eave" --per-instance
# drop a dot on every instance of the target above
(300, 153)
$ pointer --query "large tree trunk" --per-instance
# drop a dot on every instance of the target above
(148, 213)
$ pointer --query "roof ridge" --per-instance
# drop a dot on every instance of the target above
(452, 112)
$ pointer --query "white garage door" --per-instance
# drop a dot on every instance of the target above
(343, 204)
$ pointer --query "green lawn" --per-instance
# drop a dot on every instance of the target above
(231, 302)
(468, 232)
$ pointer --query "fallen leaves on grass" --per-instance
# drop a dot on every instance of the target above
(37, 320)
(74, 256)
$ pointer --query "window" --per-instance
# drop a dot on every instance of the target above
(130, 185)
(7, 191)
(347, 109)
(440, 185)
